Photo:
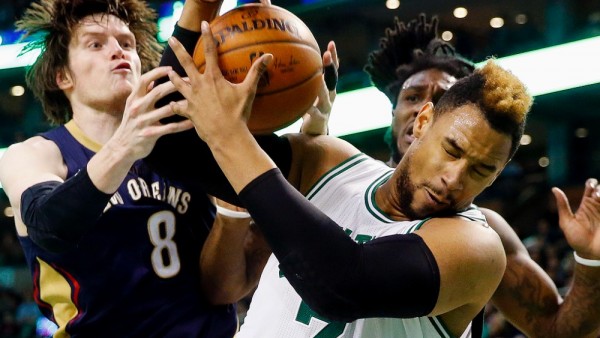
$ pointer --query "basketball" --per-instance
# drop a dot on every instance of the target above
(291, 82)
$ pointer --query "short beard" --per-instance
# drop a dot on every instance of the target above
(406, 192)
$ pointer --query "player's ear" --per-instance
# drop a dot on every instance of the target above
(423, 120)
(64, 79)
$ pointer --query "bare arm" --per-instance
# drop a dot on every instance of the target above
(25, 164)
(471, 263)
(528, 297)
(232, 258)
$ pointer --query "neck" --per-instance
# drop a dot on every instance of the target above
(97, 125)
(387, 199)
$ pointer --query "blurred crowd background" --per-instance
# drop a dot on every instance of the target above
(562, 148)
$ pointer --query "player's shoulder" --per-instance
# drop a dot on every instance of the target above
(326, 141)
(472, 243)
(468, 228)
(313, 156)
(26, 163)
(510, 240)
(35, 146)
(35, 152)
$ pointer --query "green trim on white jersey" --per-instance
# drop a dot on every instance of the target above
(335, 171)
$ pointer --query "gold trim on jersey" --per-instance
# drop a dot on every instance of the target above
(56, 291)
(82, 138)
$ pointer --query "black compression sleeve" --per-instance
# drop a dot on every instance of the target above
(188, 39)
(58, 214)
(393, 276)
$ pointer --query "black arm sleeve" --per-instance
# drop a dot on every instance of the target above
(393, 276)
(58, 214)
(188, 39)
(184, 156)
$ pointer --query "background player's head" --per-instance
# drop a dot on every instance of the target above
(55, 27)
(413, 66)
(463, 143)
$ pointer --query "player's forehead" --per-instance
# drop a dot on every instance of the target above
(429, 77)
(102, 23)
(466, 128)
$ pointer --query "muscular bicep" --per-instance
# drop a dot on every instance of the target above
(470, 259)
(25, 164)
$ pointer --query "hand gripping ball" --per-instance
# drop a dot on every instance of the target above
(290, 85)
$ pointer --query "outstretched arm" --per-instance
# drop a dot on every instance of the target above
(528, 297)
(580, 312)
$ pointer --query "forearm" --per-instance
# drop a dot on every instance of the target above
(329, 270)
(109, 167)
(528, 298)
(194, 11)
(579, 314)
(240, 148)
(223, 261)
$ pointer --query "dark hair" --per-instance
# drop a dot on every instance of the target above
(501, 97)
(51, 23)
(409, 48)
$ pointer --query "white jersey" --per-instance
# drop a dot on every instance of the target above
(347, 195)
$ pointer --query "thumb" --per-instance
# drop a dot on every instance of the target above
(562, 204)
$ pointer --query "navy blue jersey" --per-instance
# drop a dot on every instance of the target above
(136, 272)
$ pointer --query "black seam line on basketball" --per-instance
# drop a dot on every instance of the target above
(297, 84)
(262, 43)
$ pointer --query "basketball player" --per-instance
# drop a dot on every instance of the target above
(412, 67)
(449, 265)
(113, 246)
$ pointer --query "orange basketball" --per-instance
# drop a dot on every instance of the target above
(290, 85)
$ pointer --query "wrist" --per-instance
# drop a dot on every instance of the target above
(232, 213)
(227, 138)
(196, 11)
(586, 261)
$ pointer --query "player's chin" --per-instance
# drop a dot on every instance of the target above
(427, 208)
(123, 88)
